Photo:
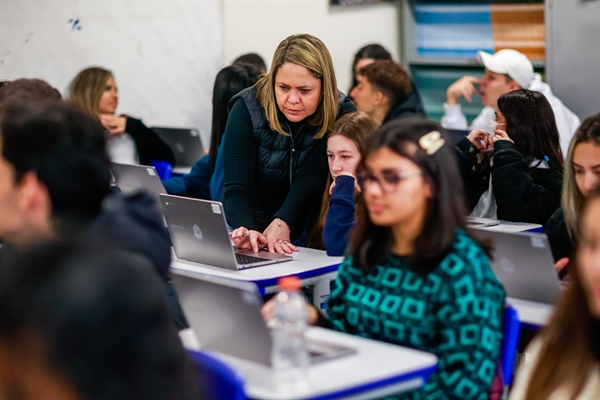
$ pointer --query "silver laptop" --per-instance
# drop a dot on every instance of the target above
(476, 222)
(185, 143)
(199, 234)
(225, 316)
(524, 264)
(131, 178)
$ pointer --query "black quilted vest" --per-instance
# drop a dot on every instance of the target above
(279, 157)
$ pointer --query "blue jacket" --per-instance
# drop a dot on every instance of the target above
(199, 183)
(340, 216)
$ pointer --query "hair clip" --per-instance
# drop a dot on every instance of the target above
(431, 142)
(546, 158)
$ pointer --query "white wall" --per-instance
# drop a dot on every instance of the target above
(259, 26)
(165, 55)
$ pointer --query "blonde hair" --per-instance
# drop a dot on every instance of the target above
(309, 52)
(572, 198)
(87, 88)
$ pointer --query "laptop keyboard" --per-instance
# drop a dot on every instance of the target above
(243, 259)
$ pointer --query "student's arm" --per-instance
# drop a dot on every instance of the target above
(310, 182)
(337, 312)
(239, 168)
(474, 181)
(469, 308)
(340, 217)
(519, 197)
(195, 184)
(453, 117)
(149, 145)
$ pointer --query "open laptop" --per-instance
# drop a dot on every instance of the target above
(199, 234)
(185, 143)
(225, 316)
(131, 178)
(523, 263)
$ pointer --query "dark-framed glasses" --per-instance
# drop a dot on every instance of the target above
(387, 180)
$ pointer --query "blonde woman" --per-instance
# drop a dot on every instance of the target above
(275, 146)
(582, 176)
(130, 141)
(565, 362)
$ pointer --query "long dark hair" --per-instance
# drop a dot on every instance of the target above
(359, 128)
(446, 210)
(374, 51)
(571, 347)
(229, 81)
(531, 124)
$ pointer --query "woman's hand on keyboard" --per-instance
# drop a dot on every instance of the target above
(244, 238)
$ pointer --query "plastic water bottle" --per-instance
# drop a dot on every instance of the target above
(289, 355)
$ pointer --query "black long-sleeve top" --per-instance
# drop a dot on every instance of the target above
(148, 144)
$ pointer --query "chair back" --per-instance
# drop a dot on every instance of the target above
(163, 169)
(511, 327)
(218, 380)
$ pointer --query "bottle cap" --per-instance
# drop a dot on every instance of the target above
(289, 283)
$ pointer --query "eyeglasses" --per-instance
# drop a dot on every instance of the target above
(387, 181)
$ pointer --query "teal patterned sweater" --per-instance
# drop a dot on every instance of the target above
(454, 312)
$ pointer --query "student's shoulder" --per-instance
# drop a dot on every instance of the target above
(466, 258)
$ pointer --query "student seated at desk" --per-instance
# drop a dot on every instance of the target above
(129, 141)
(582, 175)
(205, 180)
(565, 360)
(505, 71)
(275, 148)
(346, 146)
(416, 277)
(77, 323)
(55, 182)
(372, 52)
(513, 171)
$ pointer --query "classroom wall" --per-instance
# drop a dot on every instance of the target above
(164, 55)
(259, 26)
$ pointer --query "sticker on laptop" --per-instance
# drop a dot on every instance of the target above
(216, 209)
(151, 171)
(537, 243)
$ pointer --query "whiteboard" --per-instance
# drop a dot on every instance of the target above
(165, 55)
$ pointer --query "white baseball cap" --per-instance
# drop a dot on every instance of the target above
(509, 62)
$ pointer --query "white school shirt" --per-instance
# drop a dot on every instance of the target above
(566, 121)
(121, 149)
(591, 388)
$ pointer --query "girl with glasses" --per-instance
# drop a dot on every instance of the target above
(513, 171)
(415, 276)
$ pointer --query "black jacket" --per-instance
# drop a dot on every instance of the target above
(269, 175)
(558, 236)
(134, 223)
(148, 144)
(523, 194)
(408, 107)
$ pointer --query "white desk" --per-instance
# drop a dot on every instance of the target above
(376, 370)
(512, 227)
(532, 315)
(313, 267)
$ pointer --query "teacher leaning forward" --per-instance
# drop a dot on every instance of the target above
(275, 147)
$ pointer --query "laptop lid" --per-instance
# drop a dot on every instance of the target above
(225, 316)
(457, 134)
(131, 178)
(185, 143)
(198, 231)
(524, 264)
